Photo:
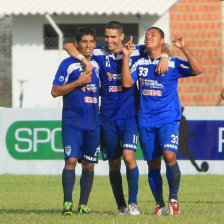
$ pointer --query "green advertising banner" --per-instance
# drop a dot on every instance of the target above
(38, 140)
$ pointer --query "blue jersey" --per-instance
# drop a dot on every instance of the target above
(81, 106)
(159, 102)
(116, 102)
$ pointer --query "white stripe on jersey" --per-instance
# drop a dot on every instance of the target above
(95, 64)
(135, 52)
(105, 52)
(78, 65)
(98, 51)
(71, 68)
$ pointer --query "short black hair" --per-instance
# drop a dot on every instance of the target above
(115, 25)
(81, 31)
(162, 35)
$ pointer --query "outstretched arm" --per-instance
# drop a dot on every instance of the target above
(60, 90)
(73, 52)
(178, 41)
(127, 80)
(222, 94)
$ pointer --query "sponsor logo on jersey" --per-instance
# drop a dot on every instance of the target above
(132, 146)
(113, 76)
(88, 99)
(68, 150)
(61, 78)
(115, 88)
(151, 92)
(91, 88)
(173, 146)
(152, 83)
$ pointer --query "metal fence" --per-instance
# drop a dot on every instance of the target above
(5, 62)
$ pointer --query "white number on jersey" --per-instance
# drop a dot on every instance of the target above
(143, 71)
(174, 139)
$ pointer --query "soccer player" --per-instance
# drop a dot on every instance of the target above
(159, 110)
(118, 114)
(80, 119)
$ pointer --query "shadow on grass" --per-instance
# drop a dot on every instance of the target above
(42, 212)
(182, 202)
(202, 202)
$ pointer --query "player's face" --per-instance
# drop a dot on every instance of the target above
(86, 45)
(113, 40)
(153, 40)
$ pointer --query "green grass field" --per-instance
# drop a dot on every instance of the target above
(38, 199)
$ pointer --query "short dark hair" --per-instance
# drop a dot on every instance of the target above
(81, 31)
(162, 35)
(115, 25)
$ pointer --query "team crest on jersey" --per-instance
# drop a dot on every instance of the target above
(61, 78)
(68, 150)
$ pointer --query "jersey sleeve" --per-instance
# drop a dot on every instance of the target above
(134, 72)
(61, 74)
(183, 68)
(142, 50)
(98, 54)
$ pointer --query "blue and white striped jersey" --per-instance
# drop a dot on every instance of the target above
(81, 106)
(159, 102)
(116, 102)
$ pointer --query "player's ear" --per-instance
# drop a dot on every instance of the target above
(122, 36)
(76, 44)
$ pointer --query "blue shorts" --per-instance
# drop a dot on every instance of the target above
(154, 140)
(117, 136)
(81, 144)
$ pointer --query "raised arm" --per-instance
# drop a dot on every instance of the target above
(222, 94)
(73, 52)
(60, 90)
(127, 80)
(178, 41)
(163, 64)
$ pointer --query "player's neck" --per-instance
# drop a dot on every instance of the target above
(117, 50)
(88, 58)
(154, 53)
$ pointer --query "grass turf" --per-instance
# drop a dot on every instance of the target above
(38, 199)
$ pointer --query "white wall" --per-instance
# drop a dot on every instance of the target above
(38, 66)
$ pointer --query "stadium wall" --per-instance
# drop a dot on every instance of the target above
(200, 22)
(31, 142)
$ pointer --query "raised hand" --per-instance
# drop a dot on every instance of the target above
(178, 40)
(128, 47)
